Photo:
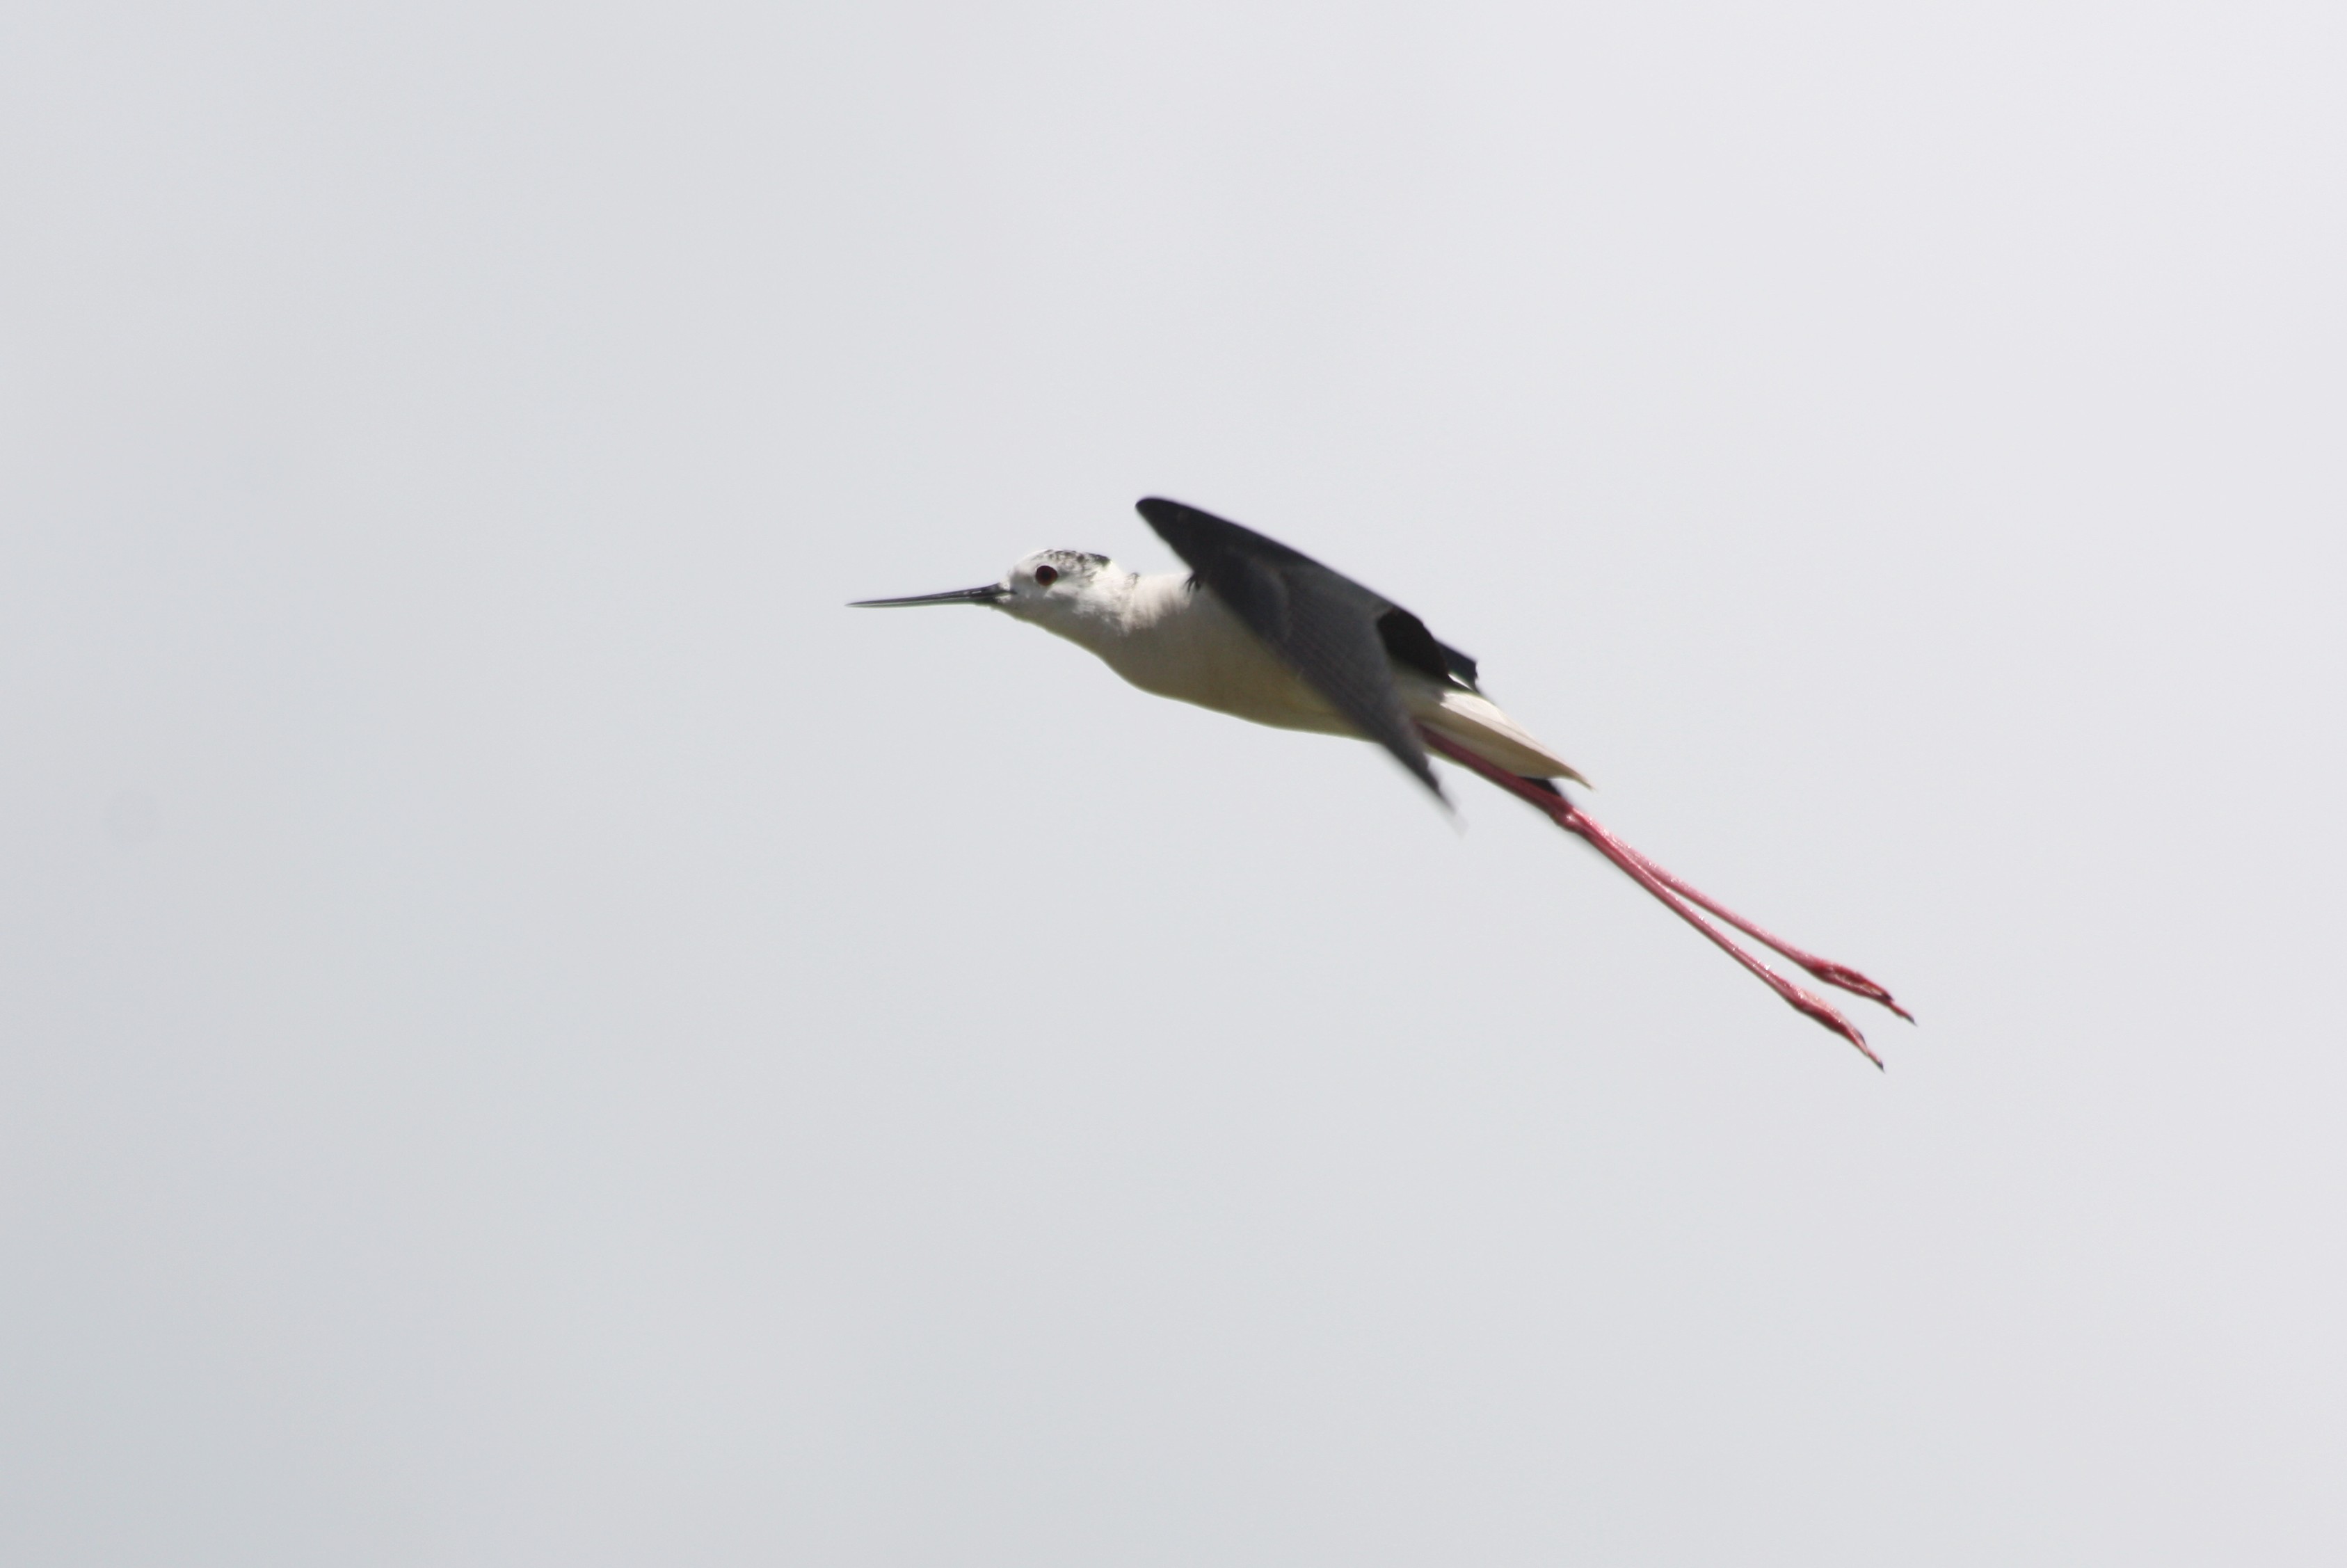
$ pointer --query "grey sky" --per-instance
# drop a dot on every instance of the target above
(530, 1035)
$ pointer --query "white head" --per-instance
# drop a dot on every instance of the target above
(1058, 591)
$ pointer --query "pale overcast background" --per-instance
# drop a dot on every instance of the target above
(533, 1036)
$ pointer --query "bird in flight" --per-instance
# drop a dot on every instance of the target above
(1267, 633)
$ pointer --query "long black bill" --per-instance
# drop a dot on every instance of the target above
(992, 593)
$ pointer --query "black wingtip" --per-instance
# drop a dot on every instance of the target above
(1170, 517)
(1422, 768)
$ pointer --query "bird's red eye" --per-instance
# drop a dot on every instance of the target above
(1045, 576)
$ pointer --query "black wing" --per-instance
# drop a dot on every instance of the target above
(1342, 638)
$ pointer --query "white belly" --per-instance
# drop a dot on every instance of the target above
(1201, 653)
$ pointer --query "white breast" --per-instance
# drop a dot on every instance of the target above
(1182, 642)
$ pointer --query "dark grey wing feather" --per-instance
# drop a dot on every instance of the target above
(1462, 667)
(1409, 641)
(1338, 635)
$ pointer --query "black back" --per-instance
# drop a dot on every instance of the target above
(1340, 637)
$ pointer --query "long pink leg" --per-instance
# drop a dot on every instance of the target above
(1826, 969)
(1571, 818)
